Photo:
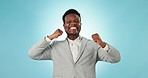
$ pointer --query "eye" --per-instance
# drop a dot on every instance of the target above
(68, 22)
(76, 21)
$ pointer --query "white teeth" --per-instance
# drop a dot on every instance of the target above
(73, 28)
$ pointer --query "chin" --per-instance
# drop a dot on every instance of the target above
(73, 34)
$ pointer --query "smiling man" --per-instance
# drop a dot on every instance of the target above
(76, 56)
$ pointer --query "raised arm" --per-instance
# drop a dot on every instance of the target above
(106, 52)
(42, 49)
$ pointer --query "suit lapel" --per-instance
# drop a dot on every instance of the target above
(83, 45)
(68, 52)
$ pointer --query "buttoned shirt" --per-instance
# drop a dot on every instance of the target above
(75, 47)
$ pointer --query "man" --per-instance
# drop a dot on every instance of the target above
(76, 56)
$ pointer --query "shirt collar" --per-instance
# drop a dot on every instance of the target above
(76, 40)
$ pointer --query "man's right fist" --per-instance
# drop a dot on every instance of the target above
(56, 34)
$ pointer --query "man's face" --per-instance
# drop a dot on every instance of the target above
(72, 24)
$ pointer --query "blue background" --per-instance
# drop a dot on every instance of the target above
(121, 23)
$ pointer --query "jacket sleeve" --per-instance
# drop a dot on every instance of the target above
(112, 55)
(41, 50)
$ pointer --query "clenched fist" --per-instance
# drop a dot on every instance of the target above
(98, 40)
(56, 34)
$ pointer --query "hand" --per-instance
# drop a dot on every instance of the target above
(56, 34)
(98, 40)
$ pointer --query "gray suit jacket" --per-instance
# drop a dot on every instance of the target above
(64, 65)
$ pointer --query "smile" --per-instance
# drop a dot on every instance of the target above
(73, 28)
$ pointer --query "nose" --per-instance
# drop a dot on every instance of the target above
(73, 23)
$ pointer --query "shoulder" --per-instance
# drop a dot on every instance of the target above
(58, 41)
(90, 43)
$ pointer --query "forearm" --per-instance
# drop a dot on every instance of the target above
(114, 54)
(39, 50)
(111, 55)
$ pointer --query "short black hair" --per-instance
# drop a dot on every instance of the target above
(70, 11)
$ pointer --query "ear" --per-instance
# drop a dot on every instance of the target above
(63, 25)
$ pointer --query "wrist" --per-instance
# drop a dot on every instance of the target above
(50, 37)
(102, 44)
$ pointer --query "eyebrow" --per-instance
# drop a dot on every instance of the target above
(74, 19)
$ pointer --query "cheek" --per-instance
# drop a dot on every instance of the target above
(66, 28)
(79, 26)
(65, 25)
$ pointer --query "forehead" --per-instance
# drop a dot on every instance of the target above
(71, 16)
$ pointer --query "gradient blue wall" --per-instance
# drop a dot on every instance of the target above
(121, 23)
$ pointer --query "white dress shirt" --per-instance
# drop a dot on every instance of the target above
(75, 46)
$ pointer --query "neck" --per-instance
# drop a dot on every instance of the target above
(71, 37)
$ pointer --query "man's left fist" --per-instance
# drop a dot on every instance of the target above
(98, 40)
